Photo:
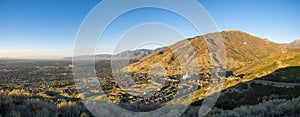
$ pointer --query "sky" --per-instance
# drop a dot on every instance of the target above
(48, 28)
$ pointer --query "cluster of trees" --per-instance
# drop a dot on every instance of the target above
(17, 105)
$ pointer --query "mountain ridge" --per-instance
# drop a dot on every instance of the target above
(294, 44)
(242, 49)
(128, 54)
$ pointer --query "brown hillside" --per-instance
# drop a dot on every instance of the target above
(242, 51)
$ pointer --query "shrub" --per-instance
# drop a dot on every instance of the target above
(37, 108)
(5, 102)
(276, 107)
(13, 114)
(83, 114)
(19, 96)
(68, 109)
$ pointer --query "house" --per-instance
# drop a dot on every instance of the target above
(186, 76)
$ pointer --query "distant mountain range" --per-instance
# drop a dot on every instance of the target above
(294, 44)
(133, 55)
(136, 54)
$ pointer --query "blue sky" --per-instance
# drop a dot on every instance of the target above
(47, 28)
(277, 20)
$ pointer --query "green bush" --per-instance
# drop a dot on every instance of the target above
(83, 114)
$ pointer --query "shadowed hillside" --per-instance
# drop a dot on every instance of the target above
(259, 96)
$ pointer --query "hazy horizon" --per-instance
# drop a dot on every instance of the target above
(44, 54)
